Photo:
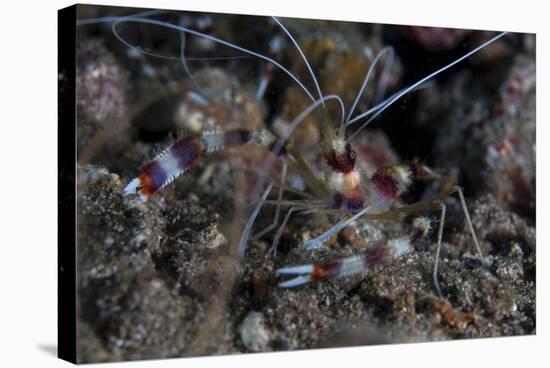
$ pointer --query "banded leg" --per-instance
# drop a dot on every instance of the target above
(395, 214)
(394, 249)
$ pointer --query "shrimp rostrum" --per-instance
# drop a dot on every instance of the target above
(344, 192)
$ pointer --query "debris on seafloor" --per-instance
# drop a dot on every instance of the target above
(253, 332)
(101, 84)
(136, 315)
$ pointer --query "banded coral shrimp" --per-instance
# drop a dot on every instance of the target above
(343, 192)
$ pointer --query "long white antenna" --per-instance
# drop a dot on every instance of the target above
(421, 81)
(303, 57)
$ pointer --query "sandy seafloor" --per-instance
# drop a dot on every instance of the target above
(162, 279)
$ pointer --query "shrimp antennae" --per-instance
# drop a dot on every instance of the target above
(108, 19)
(147, 13)
(303, 57)
(139, 19)
(379, 105)
(385, 50)
(202, 95)
(418, 83)
(384, 77)
(203, 35)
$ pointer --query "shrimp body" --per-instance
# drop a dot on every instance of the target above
(343, 178)
(344, 187)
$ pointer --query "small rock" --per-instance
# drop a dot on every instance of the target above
(254, 334)
(509, 270)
